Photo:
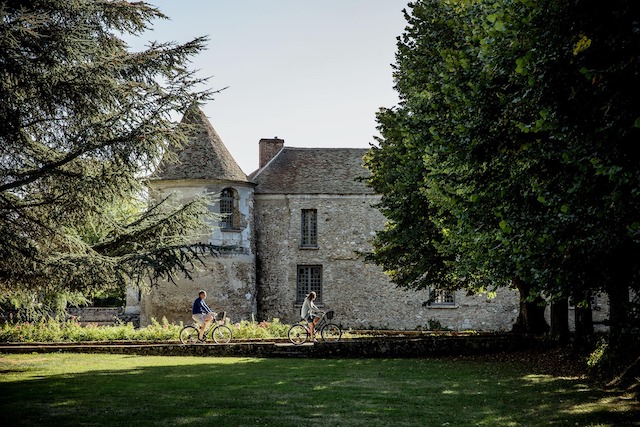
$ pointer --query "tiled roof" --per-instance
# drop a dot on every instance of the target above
(204, 155)
(313, 171)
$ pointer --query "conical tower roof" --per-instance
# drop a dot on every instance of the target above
(203, 156)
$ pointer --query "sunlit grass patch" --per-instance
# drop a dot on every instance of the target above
(617, 403)
(68, 389)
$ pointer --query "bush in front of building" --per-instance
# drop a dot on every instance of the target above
(72, 330)
(259, 330)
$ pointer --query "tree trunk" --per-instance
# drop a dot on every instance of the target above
(618, 318)
(560, 321)
(583, 319)
(531, 317)
(624, 267)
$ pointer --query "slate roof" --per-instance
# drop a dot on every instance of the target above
(313, 171)
(204, 156)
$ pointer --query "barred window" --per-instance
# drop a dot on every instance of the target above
(442, 297)
(229, 214)
(309, 228)
(309, 279)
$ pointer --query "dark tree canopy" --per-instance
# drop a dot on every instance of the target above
(515, 146)
(82, 120)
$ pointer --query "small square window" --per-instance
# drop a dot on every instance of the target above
(442, 297)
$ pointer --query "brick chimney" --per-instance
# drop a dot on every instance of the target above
(269, 147)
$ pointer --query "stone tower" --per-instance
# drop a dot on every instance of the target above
(205, 166)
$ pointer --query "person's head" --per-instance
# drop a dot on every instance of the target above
(202, 294)
(311, 296)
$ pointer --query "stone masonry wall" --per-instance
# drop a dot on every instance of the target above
(228, 281)
(358, 292)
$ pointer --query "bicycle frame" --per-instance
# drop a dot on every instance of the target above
(190, 334)
(318, 326)
(327, 331)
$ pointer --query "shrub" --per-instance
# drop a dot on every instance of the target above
(597, 356)
(72, 331)
(158, 331)
(262, 330)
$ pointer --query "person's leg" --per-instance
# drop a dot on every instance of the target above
(207, 320)
(312, 327)
(311, 330)
(201, 324)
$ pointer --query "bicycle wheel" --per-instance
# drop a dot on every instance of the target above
(189, 335)
(298, 334)
(331, 332)
(221, 334)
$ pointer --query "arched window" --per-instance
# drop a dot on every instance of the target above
(229, 213)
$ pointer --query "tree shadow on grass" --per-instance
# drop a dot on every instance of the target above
(293, 392)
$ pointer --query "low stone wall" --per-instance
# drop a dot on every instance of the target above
(99, 315)
(103, 315)
(395, 347)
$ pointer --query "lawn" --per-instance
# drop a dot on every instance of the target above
(125, 390)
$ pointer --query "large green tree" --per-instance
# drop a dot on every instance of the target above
(82, 120)
(525, 121)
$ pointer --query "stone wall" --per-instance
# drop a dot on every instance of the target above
(183, 191)
(95, 315)
(599, 310)
(103, 316)
(359, 293)
(229, 281)
(370, 347)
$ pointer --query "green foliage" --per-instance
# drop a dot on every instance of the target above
(82, 120)
(435, 325)
(158, 331)
(408, 247)
(596, 356)
(73, 331)
(27, 306)
(511, 154)
(259, 330)
(52, 330)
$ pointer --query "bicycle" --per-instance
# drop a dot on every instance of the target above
(220, 332)
(299, 333)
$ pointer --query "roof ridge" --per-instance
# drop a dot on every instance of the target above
(308, 171)
(325, 148)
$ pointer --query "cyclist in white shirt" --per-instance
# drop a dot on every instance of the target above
(309, 312)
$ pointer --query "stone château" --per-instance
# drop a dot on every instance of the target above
(296, 224)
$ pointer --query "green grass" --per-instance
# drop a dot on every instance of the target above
(124, 390)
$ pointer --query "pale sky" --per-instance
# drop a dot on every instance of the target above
(313, 73)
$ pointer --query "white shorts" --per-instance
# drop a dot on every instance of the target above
(201, 318)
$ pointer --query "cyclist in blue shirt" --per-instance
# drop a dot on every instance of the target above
(201, 313)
